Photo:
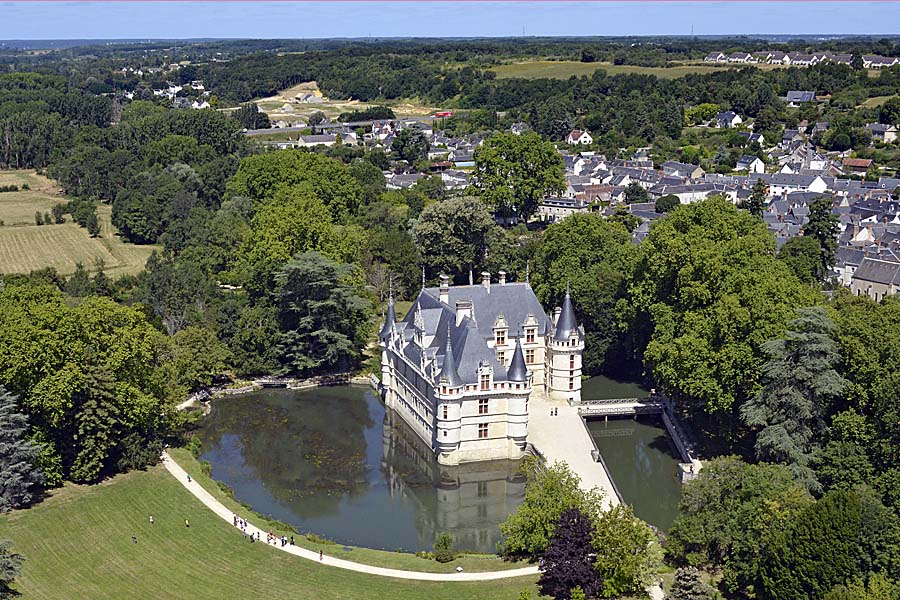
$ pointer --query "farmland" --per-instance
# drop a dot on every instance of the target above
(25, 246)
(566, 69)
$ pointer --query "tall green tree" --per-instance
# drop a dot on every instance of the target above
(549, 493)
(568, 560)
(801, 383)
(20, 476)
(455, 236)
(803, 255)
(411, 146)
(823, 226)
(756, 202)
(628, 558)
(846, 534)
(513, 173)
(323, 315)
(689, 586)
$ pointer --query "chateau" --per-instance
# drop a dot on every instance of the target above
(461, 366)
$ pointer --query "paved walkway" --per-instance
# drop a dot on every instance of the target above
(217, 507)
(564, 438)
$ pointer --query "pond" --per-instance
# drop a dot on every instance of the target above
(335, 462)
(641, 458)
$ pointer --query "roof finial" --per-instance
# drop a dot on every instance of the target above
(471, 281)
(423, 277)
(528, 272)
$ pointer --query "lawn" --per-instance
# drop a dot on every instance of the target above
(565, 69)
(25, 246)
(77, 544)
(876, 101)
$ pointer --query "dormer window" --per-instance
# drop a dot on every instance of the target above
(529, 335)
(500, 337)
(485, 381)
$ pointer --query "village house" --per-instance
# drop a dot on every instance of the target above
(460, 367)
(795, 98)
(883, 133)
(859, 166)
(751, 164)
(874, 61)
(876, 278)
(685, 170)
(728, 119)
(577, 136)
(716, 57)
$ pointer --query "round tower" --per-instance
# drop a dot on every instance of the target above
(564, 350)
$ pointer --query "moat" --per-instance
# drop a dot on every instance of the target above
(333, 461)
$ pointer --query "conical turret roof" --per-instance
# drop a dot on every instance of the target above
(517, 369)
(448, 369)
(389, 318)
(566, 324)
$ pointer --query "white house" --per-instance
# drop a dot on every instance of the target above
(751, 164)
(460, 367)
(577, 136)
(728, 119)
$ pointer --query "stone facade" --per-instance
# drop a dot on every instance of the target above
(461, 366)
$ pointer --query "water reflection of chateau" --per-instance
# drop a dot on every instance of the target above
(468, 501)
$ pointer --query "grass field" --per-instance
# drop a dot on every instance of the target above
(78, 544)
(25, 246)
(876, 101)
(565, 69)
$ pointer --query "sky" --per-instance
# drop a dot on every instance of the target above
(212, 19)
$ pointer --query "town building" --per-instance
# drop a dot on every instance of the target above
(460, 367)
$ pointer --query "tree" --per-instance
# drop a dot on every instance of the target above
(513, 173)
(727, 515)
(443, 548)
(58, 213)
(878, 587)
(548, 494)
(756, 202)
(79, 283)
(627, 554)
(667, 203)
(38, 218)
(10, 566)
(323, 315)
(455, 235)
(705, 293)
(635, 194)
(411, 146)
(803, 255)
(250, 117)
(823, 226)
(198, 357)
(93, 224)
(846, 534)
(20, 477)
(689, 586)
(889, 113)
(568, 560)
(591, 257)
(801, 381)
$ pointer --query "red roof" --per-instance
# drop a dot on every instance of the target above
(861, 163)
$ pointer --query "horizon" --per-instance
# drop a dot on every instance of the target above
(239, 20)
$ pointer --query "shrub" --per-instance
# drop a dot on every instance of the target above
(443, 548)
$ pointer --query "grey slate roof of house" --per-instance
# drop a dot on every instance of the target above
(801, 96)
(878, 271)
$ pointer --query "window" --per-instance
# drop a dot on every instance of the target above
(483, 406)
(482, 431)
(482, 511)
(486, 382)
(529, 357)
(501, 338)
(571, 361)
(445, 433)
(571, 383)
(445, 411)
(529, 336)
(501, 358)
(482, 489)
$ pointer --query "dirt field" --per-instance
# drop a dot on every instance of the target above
(274, 106)
(25, 246)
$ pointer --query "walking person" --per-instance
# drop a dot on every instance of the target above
(187, 523)
(292, 540)
(151, 519)
(320, 556)
(133, 539)
(189, 477)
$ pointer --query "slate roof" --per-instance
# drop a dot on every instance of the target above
(878, 271)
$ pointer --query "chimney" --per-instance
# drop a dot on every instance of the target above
(444, 289)
(556, 312)
(855, 230)
(463, 310)
(502, 275)
(486, 280)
